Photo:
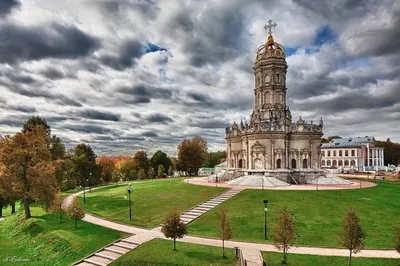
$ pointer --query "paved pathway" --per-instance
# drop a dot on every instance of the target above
(250, 250)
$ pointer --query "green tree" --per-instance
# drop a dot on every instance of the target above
(353, 236)
(214, 158)
(173, 227)
(284, 232)
(161, 170)
(191, 155)
(141, 174)
(392, 151)
(84, 160)
(128, 170)
(326, 140)
(28, 165)
(171, 170)
(142, 161)
(158, 158)
(57, 148)
(75, 211)
(65, 173)
(224, 228)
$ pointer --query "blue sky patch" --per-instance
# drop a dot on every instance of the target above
(150, 48)
(324, 34)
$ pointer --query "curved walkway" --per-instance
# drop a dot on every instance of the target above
(143, 235)
(203, 181)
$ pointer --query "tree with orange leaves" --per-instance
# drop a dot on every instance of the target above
(191, 155)
(28, 165)
(107, 167)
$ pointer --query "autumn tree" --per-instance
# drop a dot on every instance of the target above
(84, 160)
(284, 232)
(191, 155)
(173, 227)
(28, 165)
(142, 161)
(160, 170)
(224, 228)
(75, 211)
(128, 169)
(353, 236)
(151, 173)
(160, 158)
(56, 205)
(397, 239)
(107, 167)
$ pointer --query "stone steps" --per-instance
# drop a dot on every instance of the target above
(192, 214)
(109, 254)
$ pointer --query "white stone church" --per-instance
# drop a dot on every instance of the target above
(271, 140)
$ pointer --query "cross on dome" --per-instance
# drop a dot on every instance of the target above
(270, 26)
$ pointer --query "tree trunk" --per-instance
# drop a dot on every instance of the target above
(350, 258)
(223, 248)
(27, 209)
(284, 256)
(13, 207)
(174, 244)
(75, 222)
(1, 210)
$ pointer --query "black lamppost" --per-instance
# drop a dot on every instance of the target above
(216, 180)
(84, 194)
(130, 205)
(90, 181)
(317, 182)
(265, 217)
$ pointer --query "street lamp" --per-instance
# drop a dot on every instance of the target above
(90, 179)
(265, 217)
(216, 180)
(130, 205)
(84, 194)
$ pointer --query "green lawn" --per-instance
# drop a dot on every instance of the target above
(158, 252)
(275, 259)
(317, 214)
(151, 200)
(43, 240)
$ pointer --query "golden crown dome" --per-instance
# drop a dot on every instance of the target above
(271, 49)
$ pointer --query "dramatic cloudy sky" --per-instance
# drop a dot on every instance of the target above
(144, 74)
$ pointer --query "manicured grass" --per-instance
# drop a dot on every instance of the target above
(275, 259)
(317, 214)
(151, 200)
(43, 240)
(158, 252)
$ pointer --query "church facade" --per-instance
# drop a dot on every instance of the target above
(270, 140)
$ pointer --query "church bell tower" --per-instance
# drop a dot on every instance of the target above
(270, 112)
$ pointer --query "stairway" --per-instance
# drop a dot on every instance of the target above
(195, 212)
(110, 253)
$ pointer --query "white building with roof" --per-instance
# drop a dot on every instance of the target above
(358, 153)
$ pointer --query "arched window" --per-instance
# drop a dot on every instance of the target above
(259, 99)
(294, 164)
(328, 163)
(353, 163)
(278, 163)
(276, 97)
(240, 163)
(268, 97)
(232, 163)
(346, 163)
(323, 162)
(278, 78)
(340, 163)
(305, 163)
(334, 163)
